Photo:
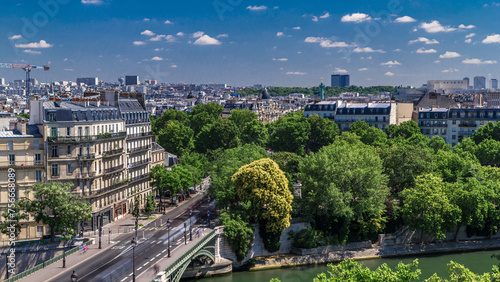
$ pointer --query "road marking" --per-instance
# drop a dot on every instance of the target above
(157, 255)
(163, 251)
(139, 268)
(159, 242)
(124, 279)
(145, 264)
(151, 259)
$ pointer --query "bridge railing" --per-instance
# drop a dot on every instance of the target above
(170, 270)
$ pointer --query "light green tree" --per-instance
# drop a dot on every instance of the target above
(176, 137)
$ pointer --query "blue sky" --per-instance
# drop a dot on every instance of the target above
(239, 42)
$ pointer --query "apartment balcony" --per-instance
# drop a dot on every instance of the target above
(113, 169)
(92, 138)
(139, 135)
(86, 175)
(110, 188)
(467, 124)
(466, 132)
(156, 148)
(140, 163)
(21, 164)
(139, 149)
(112, 153)
(86, 157)
(139, 178)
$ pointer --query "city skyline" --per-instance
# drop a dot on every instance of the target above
(274, 43)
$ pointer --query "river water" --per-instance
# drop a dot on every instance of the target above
(479, 262)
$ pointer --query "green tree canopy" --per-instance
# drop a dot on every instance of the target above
(242, 117)
(368, 134)
(323, 132)
(204, 114)
(290, 134)
(223, 134)
(255, 132)
(54, 206)
(170, 115)
(176, 138)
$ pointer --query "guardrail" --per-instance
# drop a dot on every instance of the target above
(46, 263)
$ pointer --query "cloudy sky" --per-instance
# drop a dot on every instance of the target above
(240, 42)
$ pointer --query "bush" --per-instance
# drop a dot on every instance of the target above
(307, 238)
(239, 234)
(271, 240)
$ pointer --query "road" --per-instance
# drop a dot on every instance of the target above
(115, 264)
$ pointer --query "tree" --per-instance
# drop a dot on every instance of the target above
(54, 206)
(402, 163)
(350, 270)
(136, 212)
(184, 176)
(265, 187)
(238, 233)
(255, 132)
(323, 132)
(406, 130)
(428, 208)
(12, 219)
(369, 135)
(150, 204)
(159, 123)
(241, 117)
(490, 131)
(452, 167)
(204, 114)
(157, 175)
(344, 190)
(439, 144)
(222, 133)
(176, 138)
(289, 134)
(459, 272)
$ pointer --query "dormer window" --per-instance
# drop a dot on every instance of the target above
(52, 116)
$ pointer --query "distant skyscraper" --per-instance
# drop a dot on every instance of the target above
(479, 82)
(341, 80)
(2, 81)
(132, 80)
(468, 82)
(88, 80)
(494, 83)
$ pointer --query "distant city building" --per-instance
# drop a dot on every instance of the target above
(151, 82)
(2, 81)
(479, 82)
(88, 80)
(447, 86)
(132, 80)
(468, 82)
(494, 83)
(340, 80)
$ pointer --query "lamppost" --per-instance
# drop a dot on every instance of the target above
(168, 235)
(136, 226)
(64, 248)
(109, 236)
(134, 244)
(99, 223)
(208, 214)
(190, 226)
(185, 234)
(74, 277)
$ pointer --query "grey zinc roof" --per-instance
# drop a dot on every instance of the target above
(130, 105)
(70, 105)
(31, 132)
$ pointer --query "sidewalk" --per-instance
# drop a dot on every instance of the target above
(55, 272)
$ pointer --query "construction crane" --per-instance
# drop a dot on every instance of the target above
(27, 69)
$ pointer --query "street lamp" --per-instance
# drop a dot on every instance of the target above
(208, 214)
(64, 248)
(168, 234)
(109, 236)
(74, 277)
(136, 226)
(134, 244)
(190, 226)
(99, 223)
(185, 234)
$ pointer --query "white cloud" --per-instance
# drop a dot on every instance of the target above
(366, 58)
(139, 43)
(470, 35)
(356, 18)
(389, 73)
(157, 59)
(468, 40)
(168, 22)
(66, 59)
(296, 73)
(279, 34)
(173, 66)
(367, 50)
(397, 50)
(363, 69)
(450, 70)
(170, 38)
(391, 63)
(92, 2)
(341, 71)
(405, 19)
(478, 62)
(424, 40)
(69, 70)
(198, 34)
(257, 8)
(223, 35)
(14, 37)
(280, 59)
(435, 26)
(449, 55)
(315, 19)
(325, 16)
(180, 33)
(312, 39)
(462, 26)
(32, 52)
(41, 44)
(148, 33)
(159, 49)
(325, 43)
(158, 37)
(207, 40)
(296, 27)
(426, 51)
(494, 38)
(276, 7)
(437, 61)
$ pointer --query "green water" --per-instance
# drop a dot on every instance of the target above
(479, 262)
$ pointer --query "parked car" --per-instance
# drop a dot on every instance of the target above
(192, 191)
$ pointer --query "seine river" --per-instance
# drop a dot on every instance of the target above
(478, 262)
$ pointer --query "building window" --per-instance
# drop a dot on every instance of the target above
(11, 146)
(12, 159)
(69, 168)
(52, 116)
(54, 152)
(37, 145)
(38, 159)
(39, 231)
(53, 131)
(38, 176)
(454, 137)
(68, 131)
(55, 170)
(69, 150)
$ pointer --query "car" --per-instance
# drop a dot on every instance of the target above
(192, 191)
